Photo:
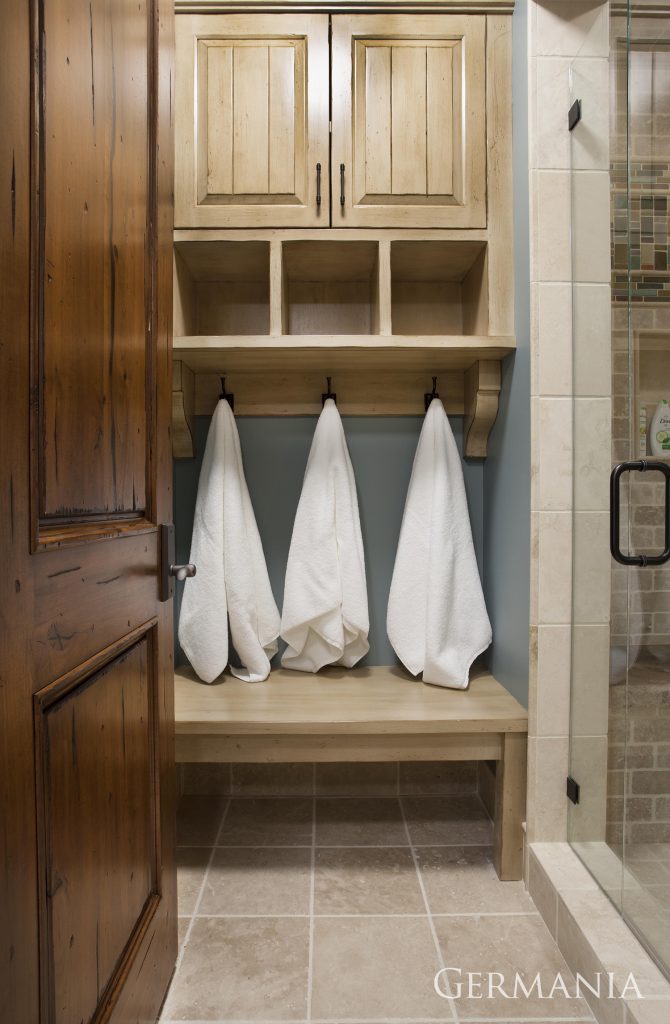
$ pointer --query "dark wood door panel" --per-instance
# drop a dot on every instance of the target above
(88, 597)
(94, 288)
(85, 290)
(100, 845)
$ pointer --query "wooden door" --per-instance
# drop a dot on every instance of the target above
(252, 121)
(409, 121)
(87, 886)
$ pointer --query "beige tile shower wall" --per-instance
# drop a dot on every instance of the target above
(571, 405)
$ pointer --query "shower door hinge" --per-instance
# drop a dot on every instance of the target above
(572, 789)
(574, 114)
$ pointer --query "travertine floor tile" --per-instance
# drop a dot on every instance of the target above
(506, 944)
(267, 822)
(182, 928)
(273, 780)
(458, 820)
(375, 967)
(366, 881)
(359, 822)
(258, 881)
(462, 880)
(198, 819)
(366, 779)
(192, 863)
(242, 969)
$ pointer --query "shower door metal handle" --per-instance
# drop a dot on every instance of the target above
(641, 466)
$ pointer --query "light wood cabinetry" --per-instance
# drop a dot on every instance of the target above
(409, 120)
(252, 120)
(403, 271)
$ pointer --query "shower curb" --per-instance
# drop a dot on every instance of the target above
(593, 937)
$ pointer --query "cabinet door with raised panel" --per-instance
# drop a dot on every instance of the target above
(252, 95)
(409, 121)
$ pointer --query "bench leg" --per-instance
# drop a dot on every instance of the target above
(510, 807)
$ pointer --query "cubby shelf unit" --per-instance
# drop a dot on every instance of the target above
(381, 312)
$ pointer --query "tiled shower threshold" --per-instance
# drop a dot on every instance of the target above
(593, 938)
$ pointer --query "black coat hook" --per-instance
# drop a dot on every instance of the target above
(329, 393)
(430, 395)
(228, 397)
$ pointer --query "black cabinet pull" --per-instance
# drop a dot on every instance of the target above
(318, 184)
(341, 184)
(641, 466)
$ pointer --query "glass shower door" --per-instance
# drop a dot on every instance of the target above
(620, 715)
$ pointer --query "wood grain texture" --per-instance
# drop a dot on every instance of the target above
(357, 352)
(217, 123)
(344, 6)
(371, 393)
(365, 714)
(251, 120)
(183, 403)
(131, 210)
(303, 748)
(18, 878)
(437, 151)
(277, 104)
(499, 146)
(94, 194)
(377, 106)
(482, 397)
(408, 120)
(282, 120)
(100, 847)
(439, 120)
(375, 699)
(510, 808)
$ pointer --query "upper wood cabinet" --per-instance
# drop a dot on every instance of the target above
(251, 121)
(408, 104)
(409, 121)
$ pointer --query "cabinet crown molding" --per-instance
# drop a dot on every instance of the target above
(345, 7)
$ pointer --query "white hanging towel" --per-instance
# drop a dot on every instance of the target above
(325, 613)
(232, 579)
(437, 621)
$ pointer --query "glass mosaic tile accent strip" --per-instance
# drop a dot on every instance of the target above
(647, 234)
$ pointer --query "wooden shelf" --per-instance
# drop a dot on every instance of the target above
(382, 312)
(381, 700)
(325, 353)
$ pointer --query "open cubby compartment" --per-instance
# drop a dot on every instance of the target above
(439, 287)
(330, 287)
(222, 287)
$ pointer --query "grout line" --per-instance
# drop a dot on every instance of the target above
(386, 795)
(312, 872)
(327, 917)
(201, 891)
(339, 846)
(431, 923)
(388, 1020)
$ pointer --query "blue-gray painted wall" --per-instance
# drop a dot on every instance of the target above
(507, 468)
(275, 454)
(382, 448)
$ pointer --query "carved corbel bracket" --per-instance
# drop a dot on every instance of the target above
(183, 406)
(481, 398)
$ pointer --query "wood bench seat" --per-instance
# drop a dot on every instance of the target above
(368, 714)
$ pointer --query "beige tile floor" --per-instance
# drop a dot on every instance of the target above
(323, 909)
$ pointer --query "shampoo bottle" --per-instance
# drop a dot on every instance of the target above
(659, 432)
